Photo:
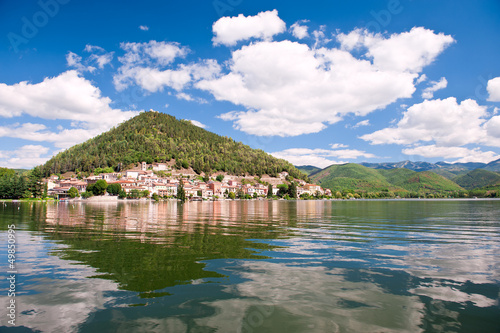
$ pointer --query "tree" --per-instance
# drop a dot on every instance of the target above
(220, 178)
(145, 193)
(240, 193)
(231, 195)
(35, 183)
(73, 192)
(114, 189)
(87, 194)
(181, 194)
(282, 189)
(122, 194)
(99, 187)
(155, 197)
(269, 191)
(292, 190)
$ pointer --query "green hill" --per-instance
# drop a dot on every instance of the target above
(402, 181)
(478, 178)
(158, 137)
(308, 169)
(351, 176)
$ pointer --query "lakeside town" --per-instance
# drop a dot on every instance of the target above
(163, 181)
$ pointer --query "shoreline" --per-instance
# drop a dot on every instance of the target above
(117, 200)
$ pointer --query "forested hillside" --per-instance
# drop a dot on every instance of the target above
(371, 182)
(158, 137)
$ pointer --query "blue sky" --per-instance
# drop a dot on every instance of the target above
(317, 83)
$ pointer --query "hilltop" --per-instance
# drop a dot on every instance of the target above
(158, 137)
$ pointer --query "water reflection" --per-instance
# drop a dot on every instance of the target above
(260, 266)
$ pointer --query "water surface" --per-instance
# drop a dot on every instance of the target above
(256, 266)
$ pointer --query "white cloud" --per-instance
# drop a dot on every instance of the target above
(75, 61)
(407, 51)
(299, 31)
(444, 121)
(290, 89)
(494, 89)
(99, 58)
(197, 123)
(190, 98)
(24, 157)
(428, 92)
(421, 79)
(463, 154)
(365, 122)
(229, 30)
(161, 53)
(143, 65)
(65, 97)
(338, 145)
(448, 126)
(144, 27)
(320, 157)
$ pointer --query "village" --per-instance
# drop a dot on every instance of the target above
(161, 180)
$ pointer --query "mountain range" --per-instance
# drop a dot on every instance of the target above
(408, 178)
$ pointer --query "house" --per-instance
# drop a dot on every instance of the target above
(160, 167)
(216, 187)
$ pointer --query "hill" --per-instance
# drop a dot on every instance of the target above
(478, 178)
(353, 177)
(361, 179)
(308, 169)
(158, 137)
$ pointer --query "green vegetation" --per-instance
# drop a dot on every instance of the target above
(73, 192)
(99, 188)
(181, 193)
(114, 189)
(365, 182)
(478, 178)
(25, 184)
(157, 137)
(308, 169)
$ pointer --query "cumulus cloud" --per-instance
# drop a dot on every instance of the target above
(428, 92)
(320, 157)
(144, 64)
(463, 154)
(299, 31)
(67, 97)
(494, 89)
(408, 51)
(290, 89)
(446, 122)
(448, 126)
(24, 157)
(144, 27)
(230, 30)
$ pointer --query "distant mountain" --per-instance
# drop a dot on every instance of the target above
(158, 137)
(455, 168)
(415, 166)
(308, 169)
(493, 166)
(478, 178)
(362, 179)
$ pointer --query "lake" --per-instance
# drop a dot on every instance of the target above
(254, 266)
